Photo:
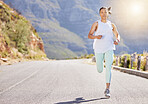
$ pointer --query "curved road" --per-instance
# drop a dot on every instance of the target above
(67, 82)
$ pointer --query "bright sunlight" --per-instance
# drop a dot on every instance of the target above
(137, 8)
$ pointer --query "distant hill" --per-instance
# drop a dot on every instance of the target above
(18, 38)
(64, 25)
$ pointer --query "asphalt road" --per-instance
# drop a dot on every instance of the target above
(67, 82)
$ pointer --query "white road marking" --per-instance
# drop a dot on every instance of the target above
(14, 85)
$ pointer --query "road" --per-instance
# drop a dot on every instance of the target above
(67, 82)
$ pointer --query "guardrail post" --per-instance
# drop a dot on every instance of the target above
(139, 63)
(93, 59)
(146, 66)
(116, 60)
(125, 61)
(132, 59)
(120, 59)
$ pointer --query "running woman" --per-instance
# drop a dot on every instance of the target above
(104, 44)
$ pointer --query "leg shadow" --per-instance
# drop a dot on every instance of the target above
(80, 100)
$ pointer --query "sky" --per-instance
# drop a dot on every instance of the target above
(131, 14)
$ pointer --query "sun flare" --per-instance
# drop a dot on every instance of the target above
(131, 14)
(136, 8)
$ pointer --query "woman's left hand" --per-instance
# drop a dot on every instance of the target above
(115, 42)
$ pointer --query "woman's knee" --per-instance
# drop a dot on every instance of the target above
(99, 69)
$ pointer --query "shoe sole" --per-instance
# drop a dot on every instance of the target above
(107, 96)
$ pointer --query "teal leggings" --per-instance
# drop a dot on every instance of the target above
(109, 55)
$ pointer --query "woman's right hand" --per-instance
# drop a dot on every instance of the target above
(98, 36)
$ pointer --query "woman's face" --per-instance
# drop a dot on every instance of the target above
(103, 14)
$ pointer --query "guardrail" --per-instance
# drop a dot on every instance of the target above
(133, 58)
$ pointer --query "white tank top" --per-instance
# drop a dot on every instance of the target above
(107, 41)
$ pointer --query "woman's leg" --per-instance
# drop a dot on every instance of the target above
(109, 55)
(99, 61)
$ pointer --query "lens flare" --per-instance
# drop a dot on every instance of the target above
(136, 8)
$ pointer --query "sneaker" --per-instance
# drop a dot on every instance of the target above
(107, 93)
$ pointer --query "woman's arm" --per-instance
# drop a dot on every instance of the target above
(92, 30)
(115, 31)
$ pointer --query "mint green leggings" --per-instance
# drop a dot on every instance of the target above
(109, 55)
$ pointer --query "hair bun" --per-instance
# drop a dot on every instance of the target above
(109, 10)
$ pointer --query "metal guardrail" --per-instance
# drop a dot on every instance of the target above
(128, 70)
(132, 71)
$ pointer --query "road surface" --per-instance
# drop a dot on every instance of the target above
(67, 82)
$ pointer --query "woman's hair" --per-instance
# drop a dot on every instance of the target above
(108, 9)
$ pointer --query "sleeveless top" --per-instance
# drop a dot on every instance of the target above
(107, 41)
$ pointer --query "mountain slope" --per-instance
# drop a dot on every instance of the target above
(60, 43)
(74, 18)
(18, 38)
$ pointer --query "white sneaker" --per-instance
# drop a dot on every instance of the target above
(107, 93)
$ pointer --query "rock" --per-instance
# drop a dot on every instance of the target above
(4, 59)
(20, 55)
(41, 45)
(35, 42)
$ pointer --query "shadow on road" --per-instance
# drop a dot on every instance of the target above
(80, 100)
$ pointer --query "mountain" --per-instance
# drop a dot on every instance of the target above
(18, 38)
(64, 25)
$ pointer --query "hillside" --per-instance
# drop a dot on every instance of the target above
(64, 25)
(18, 38)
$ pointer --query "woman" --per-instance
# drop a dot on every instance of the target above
(104, 44)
